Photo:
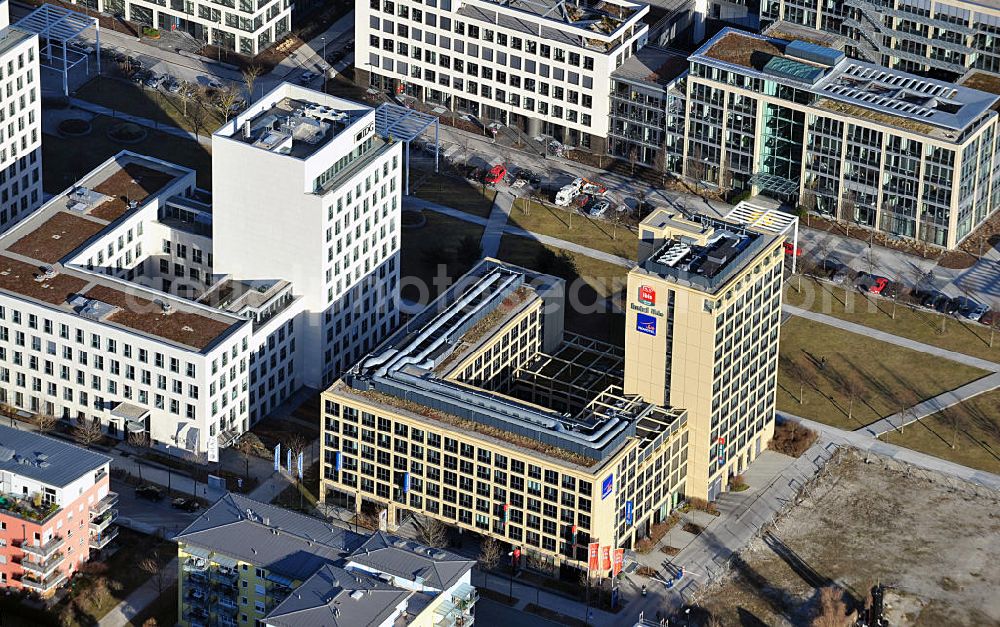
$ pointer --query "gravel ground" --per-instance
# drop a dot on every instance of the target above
(933, 542)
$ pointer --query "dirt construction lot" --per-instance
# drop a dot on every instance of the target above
(932, 540)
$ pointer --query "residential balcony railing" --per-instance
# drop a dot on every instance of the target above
(43, 584)
(103, 521)
(44, 550)
(104, 538)
(44, 567)
(105, 504)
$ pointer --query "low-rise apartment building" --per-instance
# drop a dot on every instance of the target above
(541, 66)
(244, 26)
(55, 509)
(243, 562)
(482, 413)
(912, 157)
(941, 38)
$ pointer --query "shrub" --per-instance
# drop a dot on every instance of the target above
(791, 438)
(646, 571)
(644, 546)
(702, 506)
(669, 550)
(738, 483)
(692, 528)
(151, 32)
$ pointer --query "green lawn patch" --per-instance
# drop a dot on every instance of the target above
(971, 427)
(197, 114)
(457, 193)
(589, 283)
(575, 227)
(849, 380)
(66, 159)
(915, 323)
(432, 251)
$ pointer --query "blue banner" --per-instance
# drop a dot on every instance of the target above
(629, 513)
(645, 324)
(300, 465)
(607, 486)
(338, 461)
(406, 483)
(277, 456)
(288, 460)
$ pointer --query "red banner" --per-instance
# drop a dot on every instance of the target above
(605, 557)
(592, 563)
(618, 562)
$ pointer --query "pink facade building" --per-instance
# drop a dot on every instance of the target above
(56, 509)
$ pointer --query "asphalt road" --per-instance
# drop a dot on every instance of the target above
(148, 513)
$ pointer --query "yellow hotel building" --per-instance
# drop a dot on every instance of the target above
(483, 413)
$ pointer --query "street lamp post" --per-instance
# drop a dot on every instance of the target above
(326, 72)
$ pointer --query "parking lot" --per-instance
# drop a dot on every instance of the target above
(149, 514)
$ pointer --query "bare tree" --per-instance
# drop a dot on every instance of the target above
(245, 448)
(226, 99)
(45, 422)
(994, 326)
(185, 93)
(847, 209)
(150, 622)
(432, 532)
(88, 432)
(633, 156)
(152, 566)
(250, 75)
(489, 556)
(832, 610)
(808, 204)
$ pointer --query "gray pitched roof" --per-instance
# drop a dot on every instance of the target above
(45, 459)
(409, 560)
(290, 544)
(334, 597)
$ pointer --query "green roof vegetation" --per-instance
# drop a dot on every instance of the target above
(875, 116)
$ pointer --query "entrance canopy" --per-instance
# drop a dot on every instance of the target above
(405, 124)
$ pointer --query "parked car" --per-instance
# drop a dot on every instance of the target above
(188, 505)
(529, 176)
(875, 284)
(149, 492)
(990, 318)
(599, 208)
(791, 249)
(153, 81)
(496, 174)
(971, 309)
(307, 77)
(931, 299)
(581, 201)
(949, 306)
(172, 85)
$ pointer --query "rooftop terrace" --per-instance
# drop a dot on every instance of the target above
(35, 256)
(652, 65)
(703, 253)
(294, 121)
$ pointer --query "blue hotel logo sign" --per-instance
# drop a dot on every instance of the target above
(607, 485)
(645, 324)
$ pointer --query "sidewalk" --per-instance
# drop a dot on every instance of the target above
(141, 597)
(933, 405)
(419, 203)
(497, 223)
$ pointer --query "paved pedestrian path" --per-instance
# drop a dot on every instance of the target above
(932, 405)
(415, 203)
(141, 597)
(497, 223)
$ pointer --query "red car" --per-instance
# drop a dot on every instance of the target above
(496, 174)
(878, 285)
(791, 249)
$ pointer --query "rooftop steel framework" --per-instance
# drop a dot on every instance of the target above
(58, 26)
(396, 122)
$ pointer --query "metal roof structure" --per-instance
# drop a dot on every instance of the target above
(393, 121)
(50, 461)
(408, 560)
(767, 219)
(59, 26)
(334, 597)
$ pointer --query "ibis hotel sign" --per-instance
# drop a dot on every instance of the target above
(647, 302)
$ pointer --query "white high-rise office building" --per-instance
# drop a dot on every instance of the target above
(20, 123)
(305, 191)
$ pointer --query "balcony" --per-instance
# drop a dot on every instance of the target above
(464, 597)
(105, 504)
(43, 585)
(26, 508)
(100, 523)
(103, 538)
(44, 550)
(195, 565)
(43, 567)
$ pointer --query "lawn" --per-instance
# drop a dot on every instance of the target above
(457, 193)
(102, 585)
(431, 248)
(915, 323)
(580, 229)
(589, 283)
(973, 427)
(66, 159)
(163, 610)
(830, 367)
(153, 104)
